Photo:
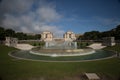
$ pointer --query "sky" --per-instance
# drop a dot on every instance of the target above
(59, 16)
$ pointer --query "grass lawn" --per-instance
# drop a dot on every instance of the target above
(15, 69)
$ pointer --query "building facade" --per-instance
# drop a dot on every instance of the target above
(47, 36)
(11, 41)
(69, 36)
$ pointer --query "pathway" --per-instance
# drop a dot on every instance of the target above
(24, 46)
(96, 46)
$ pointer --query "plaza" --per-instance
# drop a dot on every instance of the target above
(59, 40)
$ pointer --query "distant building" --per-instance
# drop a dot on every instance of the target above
(69, 36)
(47, 36)
(11, 41)
(67, 39)
(108, 41)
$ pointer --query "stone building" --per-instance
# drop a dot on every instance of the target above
(11, 41)
(108, 41)
(47, 36)
(66, 41)
(69, 36)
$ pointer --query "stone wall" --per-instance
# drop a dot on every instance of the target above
(108, 41)
(11, 41)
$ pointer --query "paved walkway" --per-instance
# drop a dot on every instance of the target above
(96, 46)
(24, 46)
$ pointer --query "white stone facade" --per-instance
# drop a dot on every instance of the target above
(47, 36)
(11, 41)
(69, 36)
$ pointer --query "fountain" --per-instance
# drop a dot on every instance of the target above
(61, 48)
(58, 49)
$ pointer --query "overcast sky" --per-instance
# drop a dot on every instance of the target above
(59, 16)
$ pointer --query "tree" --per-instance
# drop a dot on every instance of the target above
(112, 33)
(9, 33)
(37, 36)
(93, 35)
(2, 34)
(117, 32)
(21, 36)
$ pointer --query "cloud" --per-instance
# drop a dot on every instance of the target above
(48, 14)
(29, 16)
(17, 7)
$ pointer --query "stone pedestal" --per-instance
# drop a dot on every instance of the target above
(75, 44)
(11, 41)
(108, 41)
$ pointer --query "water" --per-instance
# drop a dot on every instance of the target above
(60, 45)
(61, 51)
(99, 54)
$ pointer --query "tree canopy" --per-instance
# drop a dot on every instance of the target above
(96, 35)
(92, 35)
(2, 33)
(20, 35)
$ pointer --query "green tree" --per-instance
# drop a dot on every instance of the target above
(21, 36)
(112, 33)
(93, 35)
(2, 34)
(37, 36)
(117, 32)
(9, 33)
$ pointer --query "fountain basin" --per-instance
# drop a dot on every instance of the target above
(98, 55)
(60, 52)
